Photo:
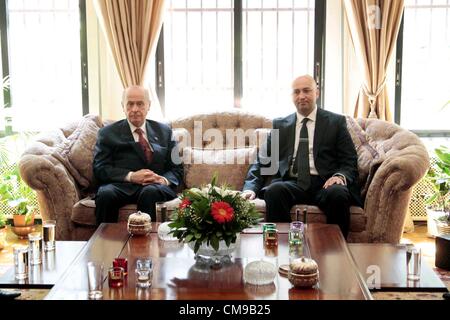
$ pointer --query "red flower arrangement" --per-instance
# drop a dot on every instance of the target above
(212, 214)
(222, 212)
(184, 204)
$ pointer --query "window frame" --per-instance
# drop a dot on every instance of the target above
(83, 54)
(398, 89)
(319, 56)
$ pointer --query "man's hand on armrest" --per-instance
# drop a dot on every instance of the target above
(248, 194)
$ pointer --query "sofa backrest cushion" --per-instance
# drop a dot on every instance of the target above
(231, 165)
(204, 128)
(77, 151)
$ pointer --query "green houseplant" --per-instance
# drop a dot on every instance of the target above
(438, 198)
(17, 195)
(2, 220)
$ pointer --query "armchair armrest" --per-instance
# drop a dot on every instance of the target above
(390, 191)
(56, 189)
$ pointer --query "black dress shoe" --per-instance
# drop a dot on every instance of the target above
(9, 294)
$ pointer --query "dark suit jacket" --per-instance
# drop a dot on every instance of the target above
(334, 152)
(116, 153)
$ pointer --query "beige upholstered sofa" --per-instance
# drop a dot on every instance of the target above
(58, 165)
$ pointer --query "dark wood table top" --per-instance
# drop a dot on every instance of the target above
(176, 275)
(390, 261)
(45, 275)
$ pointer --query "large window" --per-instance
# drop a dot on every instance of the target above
(228, 54)
(425, 67)
(198, 56)
(278, 45)
(44, 63)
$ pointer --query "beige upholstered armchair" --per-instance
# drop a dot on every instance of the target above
(58, 165)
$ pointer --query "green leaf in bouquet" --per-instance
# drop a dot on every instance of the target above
(189, 237)
(214, 179)
(215, 242)
(193, 195)
(228, 241)
(197, 245)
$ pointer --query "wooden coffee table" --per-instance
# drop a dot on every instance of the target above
(176, 274)
(390, 261)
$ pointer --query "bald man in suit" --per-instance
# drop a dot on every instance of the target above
(133, 160)
(317, 162)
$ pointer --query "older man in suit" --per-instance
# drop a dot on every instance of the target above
(317, 162)
(133, 160)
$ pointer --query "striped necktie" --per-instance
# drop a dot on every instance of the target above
(144, 145)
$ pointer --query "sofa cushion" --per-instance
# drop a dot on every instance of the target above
(231, 165)
(83, 212)
(358, 218)
(77, 151)
(369, 158)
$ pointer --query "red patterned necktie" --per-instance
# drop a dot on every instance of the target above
(144, 145)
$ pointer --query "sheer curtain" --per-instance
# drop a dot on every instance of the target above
(374, 27)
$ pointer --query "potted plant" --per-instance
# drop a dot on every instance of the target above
(438, 199)
(17, 195)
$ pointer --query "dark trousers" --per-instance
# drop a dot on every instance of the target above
(334, 201)
(111, 197)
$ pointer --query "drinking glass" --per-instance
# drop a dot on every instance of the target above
(35, 244)
(413, 263)
(95, 280)
(295, 240)
(161, 211)
(266, 226)
(122, 263)
(115, 277)
(271, 237)
(48, 227)
(144, 272)
(21, 262)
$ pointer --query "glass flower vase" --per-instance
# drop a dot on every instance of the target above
(206, 254)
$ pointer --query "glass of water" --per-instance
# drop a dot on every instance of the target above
(48, 228)
(144, 272)
(413, 263)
